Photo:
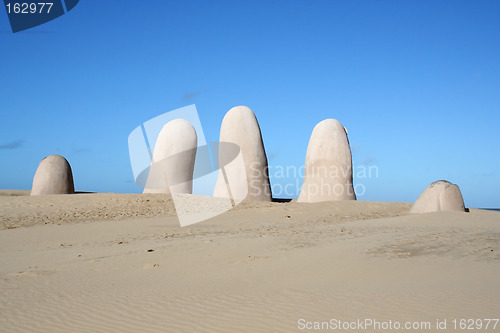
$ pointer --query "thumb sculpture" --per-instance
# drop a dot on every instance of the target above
(439, 196)
(53, 176)
(174, 155)
(328, 165)
(240, 127)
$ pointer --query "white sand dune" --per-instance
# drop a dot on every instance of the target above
(83, 263)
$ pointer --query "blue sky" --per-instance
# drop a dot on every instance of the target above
(416, 83)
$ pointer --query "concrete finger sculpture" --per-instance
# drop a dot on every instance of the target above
(53, 176)
(439, 196)
(173, 160)
(240, 127)
(328, 165)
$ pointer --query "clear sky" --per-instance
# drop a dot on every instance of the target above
(416, 83)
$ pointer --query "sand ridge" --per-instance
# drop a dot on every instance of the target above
(17, 209)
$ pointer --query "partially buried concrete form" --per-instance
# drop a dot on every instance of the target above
(441, 195)
(251, 180)
(328, 165)
(174, 156)
(53, 176)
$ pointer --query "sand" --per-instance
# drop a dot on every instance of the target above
(121, 263)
